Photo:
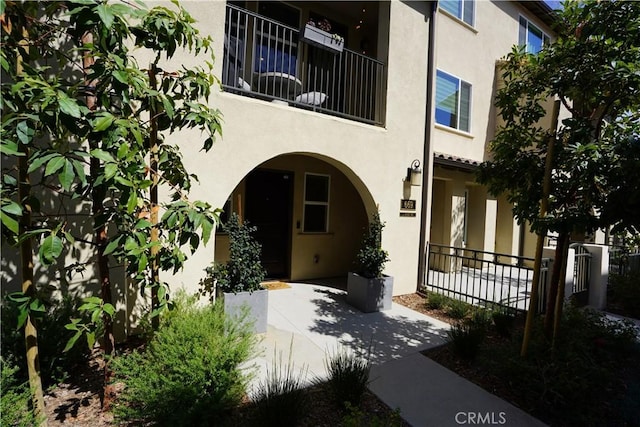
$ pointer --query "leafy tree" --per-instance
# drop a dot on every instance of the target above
(88, 127)
(593, 68)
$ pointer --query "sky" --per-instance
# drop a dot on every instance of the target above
(554, 4)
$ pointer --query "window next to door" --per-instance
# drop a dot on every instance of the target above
(453, 102)
(316, 203)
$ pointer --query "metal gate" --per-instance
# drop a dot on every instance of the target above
(581, 271)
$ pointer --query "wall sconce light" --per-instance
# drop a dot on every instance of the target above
(414, 173)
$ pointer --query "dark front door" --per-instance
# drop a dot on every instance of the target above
(268, 199)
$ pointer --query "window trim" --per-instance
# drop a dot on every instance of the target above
(305, 202)
(459, 103)
(471, 24)
(546, 38)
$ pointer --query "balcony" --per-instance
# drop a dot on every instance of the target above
(298, 67)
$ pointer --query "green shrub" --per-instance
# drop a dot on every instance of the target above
(480, 318)
(348, 376)
(466, 337)
(457, 309)
(567, 383)
(503, 323)
(190, 372)
(55, 364)
(281, 399)
(15, 402)
(624, 293)
(371, 258)
(244, 271)
(355, 417)
(436, 301)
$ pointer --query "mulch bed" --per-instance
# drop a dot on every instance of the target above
(78, 401)
(418, 302)
(628, 378)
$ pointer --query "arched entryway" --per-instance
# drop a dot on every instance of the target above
(310, 212)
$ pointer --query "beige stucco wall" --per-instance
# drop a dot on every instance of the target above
(470, 53)
(316, 254)
(373, 158)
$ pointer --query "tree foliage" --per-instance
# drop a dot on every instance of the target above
(593, 67)
(77, 153)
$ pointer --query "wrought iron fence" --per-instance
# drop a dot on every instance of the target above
(581, 268)
(266, 59)
(484, 278)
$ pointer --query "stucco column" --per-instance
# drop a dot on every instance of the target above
(599, 275)
(457, 213)
(490, 221)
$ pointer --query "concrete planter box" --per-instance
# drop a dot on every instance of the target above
(369, 295)
(258, 303)
(321, 38)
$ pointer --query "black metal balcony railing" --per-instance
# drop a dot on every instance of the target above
(269, 60)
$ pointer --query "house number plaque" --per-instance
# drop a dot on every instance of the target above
(408, 204)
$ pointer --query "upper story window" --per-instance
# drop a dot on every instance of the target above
(461, 9)
(316, 203)
(531, 37)
(453, 102)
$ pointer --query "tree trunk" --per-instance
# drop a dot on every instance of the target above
(98, 194)
(26, 265)
(560, 297)
(28, 288)
(153, 198)
(544, 201)
(560, 259)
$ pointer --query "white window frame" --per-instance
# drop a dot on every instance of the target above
(546, 39)
(316, 203)
(462, 16)
(459, 103)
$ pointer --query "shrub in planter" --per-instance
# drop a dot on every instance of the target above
(244, 271)
(368, 289)
(371, 258)
(190, 372)
(239, 281)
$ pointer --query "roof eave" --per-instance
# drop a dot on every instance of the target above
(541, 10)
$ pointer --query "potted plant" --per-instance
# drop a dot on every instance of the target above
(367, 288)
(239, 281)
(319, 34)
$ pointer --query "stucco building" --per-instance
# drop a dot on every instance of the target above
(317, 134)
(335, 109)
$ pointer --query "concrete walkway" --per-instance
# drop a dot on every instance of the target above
(309, 322)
